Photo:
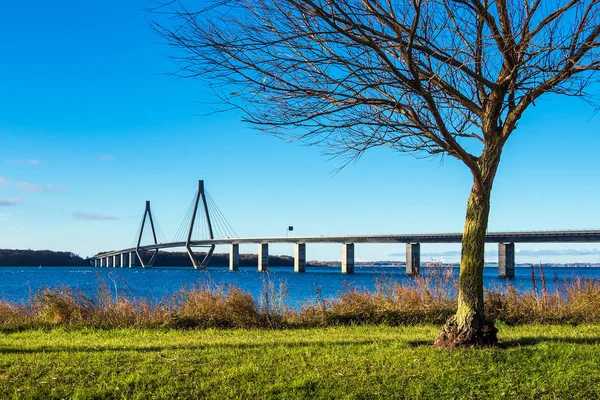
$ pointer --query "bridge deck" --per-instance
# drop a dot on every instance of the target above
(584, 236)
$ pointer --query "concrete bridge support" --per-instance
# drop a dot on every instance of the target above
(347, 258)
(108, 261)
(96, 263)
(122, 260)
(114, 261)
(300, 257)
(132, 259)
(413, 258)
(102, 261)
(263, 257)
(506, 260)
(234, 257)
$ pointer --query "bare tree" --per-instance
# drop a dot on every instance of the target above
(437, 77)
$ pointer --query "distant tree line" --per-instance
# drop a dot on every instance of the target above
(21, 258)
(176, 259)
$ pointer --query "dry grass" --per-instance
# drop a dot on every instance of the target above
(422, 300)
(208, 307)
(571, 303)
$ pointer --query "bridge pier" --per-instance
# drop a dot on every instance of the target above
(506, 260)
(132, 258)
(413, 258)
(263, 257)
(347, 258)
(300, 257)
(96, 262)
(234, 257)
(122, 260)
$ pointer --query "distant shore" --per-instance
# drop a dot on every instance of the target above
(48, 258)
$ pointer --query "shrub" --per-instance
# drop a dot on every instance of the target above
(221, 307)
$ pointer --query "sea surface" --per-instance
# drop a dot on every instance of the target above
(19, 284)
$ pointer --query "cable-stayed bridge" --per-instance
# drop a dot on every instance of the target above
(205, 226)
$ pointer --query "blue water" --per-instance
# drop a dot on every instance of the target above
(20, 283)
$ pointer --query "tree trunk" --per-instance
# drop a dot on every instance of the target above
(469, 326)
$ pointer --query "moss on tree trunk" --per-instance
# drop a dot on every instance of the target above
(469, 325)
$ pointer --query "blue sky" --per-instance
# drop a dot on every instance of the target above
(91, 127)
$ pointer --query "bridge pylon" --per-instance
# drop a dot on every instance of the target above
(200, 195)
(148, 215)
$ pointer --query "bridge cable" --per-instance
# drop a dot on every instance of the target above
(188, 219)
(161, 237)
(218, 224)
(222, 225)
(226, 222)
(149, 236)
(225, 230)
(185, 223)
(217, 220)
(157, 230)
(137, 234)
(227, 225)
(144, 234)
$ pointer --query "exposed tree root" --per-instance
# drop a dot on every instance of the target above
(475, 332)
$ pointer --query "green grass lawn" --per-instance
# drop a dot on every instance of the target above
(356, 362)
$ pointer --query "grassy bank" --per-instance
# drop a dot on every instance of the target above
(343, 362)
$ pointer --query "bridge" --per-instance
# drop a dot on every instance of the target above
(198, 229)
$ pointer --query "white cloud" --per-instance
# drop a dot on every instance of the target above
(93, 216)
(34, 187)
(10, 202)
(31, 187)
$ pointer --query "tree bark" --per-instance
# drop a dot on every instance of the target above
(469, 327)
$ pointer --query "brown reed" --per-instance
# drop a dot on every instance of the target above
(424, 299)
